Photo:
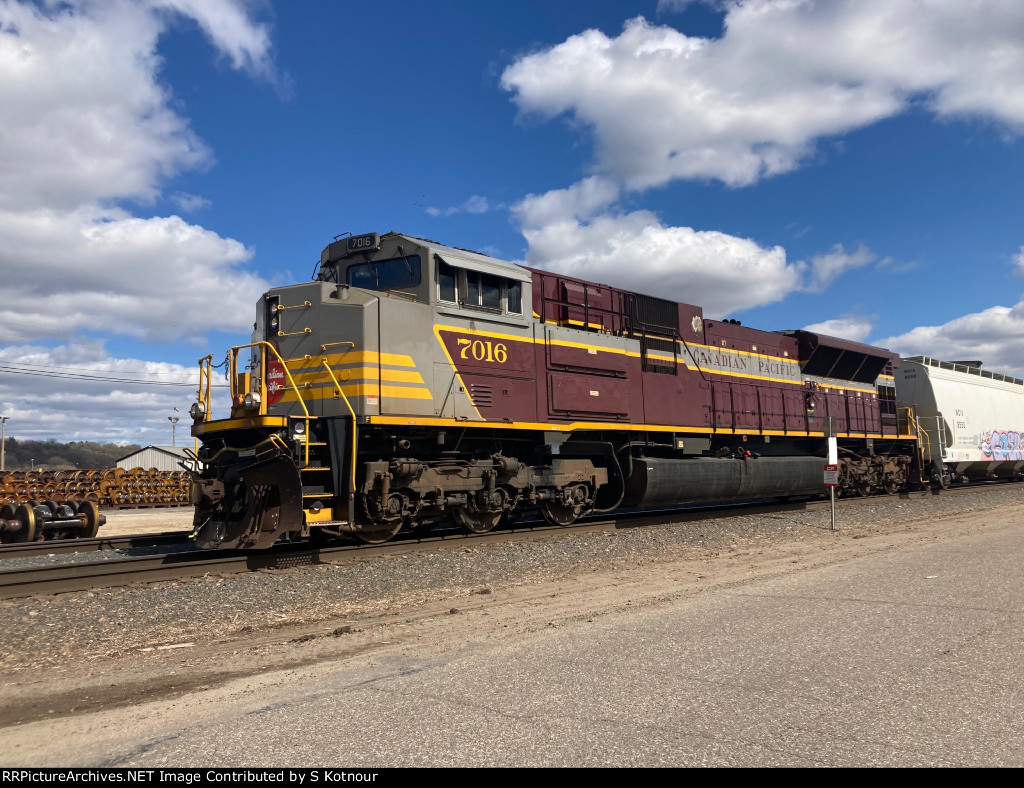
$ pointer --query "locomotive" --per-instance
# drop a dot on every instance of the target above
(411, 383)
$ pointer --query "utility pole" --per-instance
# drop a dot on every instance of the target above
(3, 439)
(174, 429)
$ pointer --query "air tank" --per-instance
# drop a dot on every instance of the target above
(656, 481)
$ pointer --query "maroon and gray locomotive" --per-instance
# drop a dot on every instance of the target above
(411, 384)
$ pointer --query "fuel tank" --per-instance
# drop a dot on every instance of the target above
(655, 481)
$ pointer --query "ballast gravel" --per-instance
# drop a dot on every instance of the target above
(48, 633)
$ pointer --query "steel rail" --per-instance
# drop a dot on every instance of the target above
(63, 546)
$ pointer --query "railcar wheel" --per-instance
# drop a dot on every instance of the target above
(891, 486)
(91, 526)
(27, 516)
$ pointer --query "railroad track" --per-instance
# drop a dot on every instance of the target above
(17, 583)
(62, 546)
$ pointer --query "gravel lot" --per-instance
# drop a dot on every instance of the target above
(79, 652)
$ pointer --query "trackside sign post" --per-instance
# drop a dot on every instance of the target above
(832, 481)
(832, 469)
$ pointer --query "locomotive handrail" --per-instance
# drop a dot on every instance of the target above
(323, 347)
(411, 296)
(303, 305)
(338, 388)
(263, 377)
(306, 330)
(205, 375)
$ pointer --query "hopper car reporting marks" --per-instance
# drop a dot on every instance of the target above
(412, 383)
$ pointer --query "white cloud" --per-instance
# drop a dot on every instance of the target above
(231, 29)
(84, 119)
(1018, 261)
(853, 327)
(85, 128)
(158, 279)
(664, 106)
(86, 124)
(190, 202)
(826, 268)
(76, 406)
(475, 204)
(994, 336)
(668, 6)
(580, 201)
(635, 251)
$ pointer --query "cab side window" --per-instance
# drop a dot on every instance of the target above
(514, 297)
(446, 279)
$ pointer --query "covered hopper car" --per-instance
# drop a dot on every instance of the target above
(411, 384)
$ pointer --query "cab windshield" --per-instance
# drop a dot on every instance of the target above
(398, 273)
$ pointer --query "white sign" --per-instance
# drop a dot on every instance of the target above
(831, 475)
(833, 451)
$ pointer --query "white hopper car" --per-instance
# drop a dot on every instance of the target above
(972, 419)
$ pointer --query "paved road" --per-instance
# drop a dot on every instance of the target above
(908, 658)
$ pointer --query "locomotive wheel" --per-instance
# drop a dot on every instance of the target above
(378, 534)
(477, 521)
(891, 486)
(557, 512)
(92, 520)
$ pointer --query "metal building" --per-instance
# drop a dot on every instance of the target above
(163, 458)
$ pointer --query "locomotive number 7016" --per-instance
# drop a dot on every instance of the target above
(483, 350)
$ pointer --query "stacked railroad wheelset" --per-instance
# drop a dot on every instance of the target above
(37, 505)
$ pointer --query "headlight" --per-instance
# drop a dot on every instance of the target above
(298, 428)
(197, 411)
(274, 323)
(251, 401)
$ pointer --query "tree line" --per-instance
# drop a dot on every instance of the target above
(22, 455)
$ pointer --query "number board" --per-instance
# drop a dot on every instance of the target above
(363, 243)
(831, 475)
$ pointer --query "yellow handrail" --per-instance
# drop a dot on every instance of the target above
(263, 377)
(303, 305)
(912, 420)
(323, 347)
(337, 387)
(205, 375)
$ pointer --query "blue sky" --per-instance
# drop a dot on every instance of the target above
(854, 167)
